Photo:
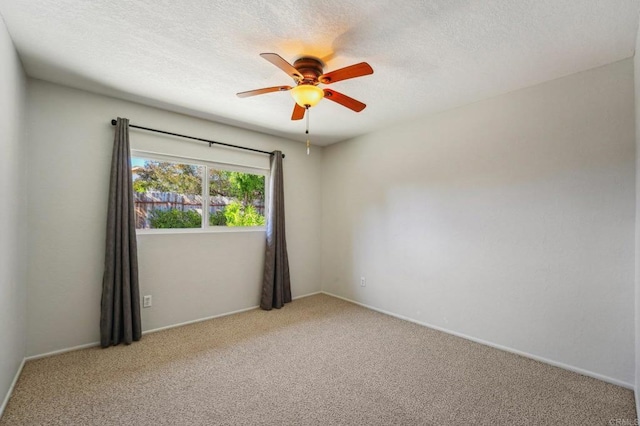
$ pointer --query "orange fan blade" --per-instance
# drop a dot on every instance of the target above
(285, 66)
(262, 91)
(298, 112)
(344, 100)
(357, 70)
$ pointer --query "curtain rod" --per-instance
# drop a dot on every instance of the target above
(210, 142)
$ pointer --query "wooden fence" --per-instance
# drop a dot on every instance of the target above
(146, 202)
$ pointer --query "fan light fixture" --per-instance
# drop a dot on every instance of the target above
(307, 73)
(307, 95)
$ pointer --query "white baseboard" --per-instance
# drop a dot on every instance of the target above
(61, 351)
(155, 330)
(307, 295)
(226, 314)
(444, 330)
(217, 316)
(13, 385)
(94, 344)
(495, 345)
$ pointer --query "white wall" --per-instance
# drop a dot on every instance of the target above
(190, 276)
(636, 72)
(12, 214)
(510, 220)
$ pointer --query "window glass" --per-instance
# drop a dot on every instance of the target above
(167, 194)
(171, 194)
(236, 198)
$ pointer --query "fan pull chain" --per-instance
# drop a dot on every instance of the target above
(307, 132)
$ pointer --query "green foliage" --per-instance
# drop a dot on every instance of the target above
(219, 183)
(218, 219)
(245, 187)
(163, 176)
(239, 215)
(244, 190)
(175, 219)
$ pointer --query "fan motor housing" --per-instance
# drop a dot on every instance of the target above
(310, 68)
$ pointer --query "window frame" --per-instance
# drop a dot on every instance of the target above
(207, 164)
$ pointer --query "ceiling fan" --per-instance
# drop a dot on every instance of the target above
(307, 72)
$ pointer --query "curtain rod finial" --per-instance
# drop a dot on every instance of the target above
(113, 122)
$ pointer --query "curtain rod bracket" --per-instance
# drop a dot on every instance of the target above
(210, 142)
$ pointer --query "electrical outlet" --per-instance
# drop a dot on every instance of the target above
(363, 282)
(146, 301)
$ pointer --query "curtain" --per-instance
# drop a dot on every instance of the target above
(276, 285)
(120, 307)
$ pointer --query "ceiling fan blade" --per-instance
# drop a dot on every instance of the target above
(285, 66)
(344, 100)
(298, 112)
(262, 91)
(352, 71)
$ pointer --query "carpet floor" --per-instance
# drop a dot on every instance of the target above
(319, 360)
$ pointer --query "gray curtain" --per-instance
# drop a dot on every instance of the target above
(276, 285)
(120, 310)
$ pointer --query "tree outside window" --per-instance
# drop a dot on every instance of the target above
(169, 194)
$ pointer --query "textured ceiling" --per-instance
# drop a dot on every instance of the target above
(428, 56)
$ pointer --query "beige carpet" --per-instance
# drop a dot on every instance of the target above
(319, 360)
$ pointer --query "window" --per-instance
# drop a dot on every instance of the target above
(173, 193)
